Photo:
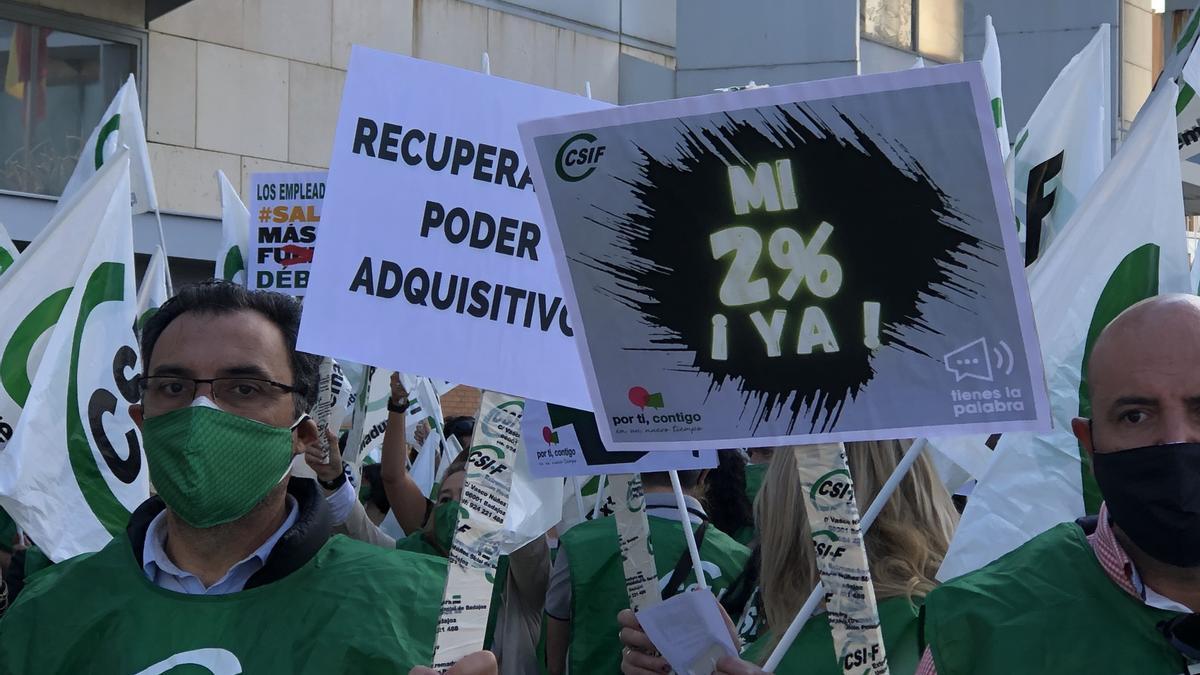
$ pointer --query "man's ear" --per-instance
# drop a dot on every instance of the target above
(136, 414)
(307, 435)
(1082, 428)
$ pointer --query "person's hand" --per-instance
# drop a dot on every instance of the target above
(399, 393)
(729, 665)
(638, 655)
(731, 627)
(479, 663)
(314, 456)
(421, 432)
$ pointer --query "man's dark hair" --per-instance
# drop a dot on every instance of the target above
(687, 479)
(765, 452)
(460, 425)
(372, 490)
(725, 494)
(222, 297)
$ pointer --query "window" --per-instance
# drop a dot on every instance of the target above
(60, 72)
(888, 21)
(940, 29)
(932, 28)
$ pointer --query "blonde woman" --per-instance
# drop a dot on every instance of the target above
(905, 547)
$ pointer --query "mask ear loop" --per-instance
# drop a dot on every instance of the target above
(303, 418)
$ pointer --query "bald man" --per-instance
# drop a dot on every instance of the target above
(1116, 595)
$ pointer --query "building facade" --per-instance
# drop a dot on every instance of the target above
(247, 86)
(253, 85)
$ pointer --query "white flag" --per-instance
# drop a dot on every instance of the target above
(959, 459)
(235, 235)
(73, 469)
(1184, 63)
(1195, 274)
(534, 505)
(120, 126)
(1064, 147)
(8, 250)
(991, 75)
(153, 292)
(423, 471)
(1101, 266)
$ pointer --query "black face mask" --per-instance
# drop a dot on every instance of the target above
(1153, 494)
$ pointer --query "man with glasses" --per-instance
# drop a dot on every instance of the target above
(231, 566)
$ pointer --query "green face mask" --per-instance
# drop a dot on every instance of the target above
(445, 520)
(211, 467)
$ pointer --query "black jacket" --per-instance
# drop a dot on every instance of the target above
(296, 547)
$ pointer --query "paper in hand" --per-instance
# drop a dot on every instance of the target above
(689, 631)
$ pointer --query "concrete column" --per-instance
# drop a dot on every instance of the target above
(721, 43)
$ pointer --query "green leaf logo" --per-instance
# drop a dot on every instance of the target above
(113, 125)
(1134, 280)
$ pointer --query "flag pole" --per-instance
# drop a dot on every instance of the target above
(162, 240)
(868, 518)
(599, 495)
(579, 497)
(688, 535)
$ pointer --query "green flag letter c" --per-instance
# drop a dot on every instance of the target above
(113, 125)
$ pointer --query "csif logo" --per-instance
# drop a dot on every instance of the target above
(578, 157)
(832, 490)
(550, 436)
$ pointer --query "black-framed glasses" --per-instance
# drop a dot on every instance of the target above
(235, 394)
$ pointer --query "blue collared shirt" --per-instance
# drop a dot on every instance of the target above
(164, 573)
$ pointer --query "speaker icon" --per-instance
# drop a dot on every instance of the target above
(976, 360)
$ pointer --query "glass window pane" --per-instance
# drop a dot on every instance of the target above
(940, 29)
(56, 87)
(887, 21)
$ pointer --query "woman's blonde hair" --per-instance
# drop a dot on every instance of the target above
(905, 545)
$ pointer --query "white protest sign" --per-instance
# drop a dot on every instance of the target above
(476, 546)
(324, 406)
(689, 631)
(782, 265)
(371, 414)
(434, 233)
(633, 537)
(285, 210)
(841, 558)
(563, 441)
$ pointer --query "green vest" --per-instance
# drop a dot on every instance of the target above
(812, 653)
(1047, 607)
(352, 608)
(755, 473)
(418, 543)
(598, 582)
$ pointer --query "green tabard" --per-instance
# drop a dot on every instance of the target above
(598, 582)
(812, 652)
(1047, 607)
(352, 608)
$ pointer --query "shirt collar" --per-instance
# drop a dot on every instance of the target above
(1120, 568)
(156, 562)
(662, 505)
